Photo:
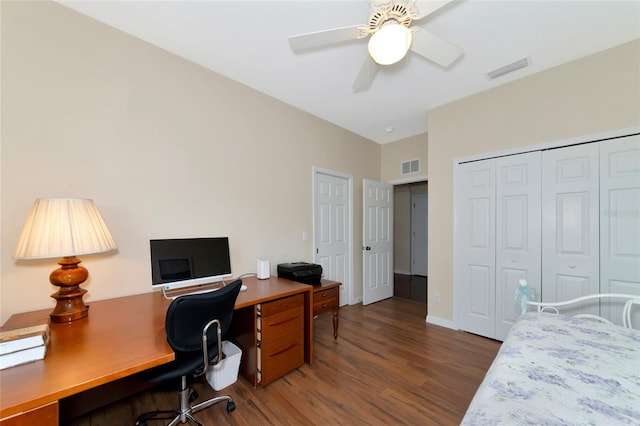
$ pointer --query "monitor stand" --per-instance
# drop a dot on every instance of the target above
(196, 289)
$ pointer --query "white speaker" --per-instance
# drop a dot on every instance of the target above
(264, 269)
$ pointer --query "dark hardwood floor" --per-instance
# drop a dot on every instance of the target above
(412, 287)
(388, 366)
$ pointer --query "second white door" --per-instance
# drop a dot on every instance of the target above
(377, 246)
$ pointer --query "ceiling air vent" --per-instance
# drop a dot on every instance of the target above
(411, 166)
(521, 63)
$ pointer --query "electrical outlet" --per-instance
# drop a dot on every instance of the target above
(436, 297)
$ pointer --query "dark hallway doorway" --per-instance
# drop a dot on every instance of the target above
(412, 287)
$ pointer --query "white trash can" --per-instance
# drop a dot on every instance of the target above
(226, 372)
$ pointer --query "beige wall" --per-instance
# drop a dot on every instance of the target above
(595, 94)
(169, 149)
(164, 147)
(393, 154)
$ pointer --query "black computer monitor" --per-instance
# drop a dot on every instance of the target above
(183, 262)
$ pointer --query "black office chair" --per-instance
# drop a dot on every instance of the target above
(190, 324)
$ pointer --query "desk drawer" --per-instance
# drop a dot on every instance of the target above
(282, 337)
(325, 301)
(286, 303)
(282, 355)
(282, 323)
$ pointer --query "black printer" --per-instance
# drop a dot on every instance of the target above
(307, 273)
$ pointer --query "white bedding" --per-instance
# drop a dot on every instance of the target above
(559, 370)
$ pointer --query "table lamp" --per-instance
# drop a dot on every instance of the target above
(65, 227)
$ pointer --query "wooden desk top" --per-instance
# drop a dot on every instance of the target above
(121, 337)
(325, 284)
(260, 291)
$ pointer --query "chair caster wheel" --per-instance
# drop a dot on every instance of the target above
(193, 395)
(231, 406)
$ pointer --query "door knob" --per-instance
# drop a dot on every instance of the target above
(572, 265)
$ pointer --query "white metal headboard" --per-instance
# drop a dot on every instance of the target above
(553, 306)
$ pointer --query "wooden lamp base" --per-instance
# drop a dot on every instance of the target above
(69, 304)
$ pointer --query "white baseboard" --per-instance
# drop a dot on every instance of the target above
(402, 272)
(356, 301)
(441, 322)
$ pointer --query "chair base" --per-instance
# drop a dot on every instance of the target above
(185, 413)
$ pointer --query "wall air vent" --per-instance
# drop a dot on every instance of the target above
(411, 166)
(521, 63)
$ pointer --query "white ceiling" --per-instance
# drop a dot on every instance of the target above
(247, 42)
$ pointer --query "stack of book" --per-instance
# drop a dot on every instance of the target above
(25, 343)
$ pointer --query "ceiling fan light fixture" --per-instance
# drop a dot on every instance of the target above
(390, 43)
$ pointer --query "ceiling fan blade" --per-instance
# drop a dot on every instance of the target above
(323, 38)
(427, 7)
(380, 4)
(366, 75)
(434, 48)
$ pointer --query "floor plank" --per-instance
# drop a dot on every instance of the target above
(388, 366)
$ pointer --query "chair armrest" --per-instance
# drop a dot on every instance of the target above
(205, 345)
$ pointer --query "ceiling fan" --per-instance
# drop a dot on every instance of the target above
(391, 37)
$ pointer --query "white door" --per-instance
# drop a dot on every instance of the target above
(419, 235)
(475, 246)
(517, 233)
(619, 222)
(332, 232)
(570, 222)
(377, 245)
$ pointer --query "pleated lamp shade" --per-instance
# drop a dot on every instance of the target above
(65, 228)
(62, 227)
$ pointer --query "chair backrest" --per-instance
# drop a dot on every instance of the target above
(187, 315)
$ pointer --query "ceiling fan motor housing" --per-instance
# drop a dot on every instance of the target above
(397, 12)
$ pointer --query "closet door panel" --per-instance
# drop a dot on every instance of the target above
(517, 233)
(475, 245)
(480, 287)
(620, 222)
(570, 222)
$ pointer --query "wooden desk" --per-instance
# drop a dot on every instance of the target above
(121, 337)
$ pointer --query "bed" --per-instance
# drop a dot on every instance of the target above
(554, 369)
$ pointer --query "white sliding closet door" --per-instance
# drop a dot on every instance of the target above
(567, 219)
(619, 222)
(517, 233)
(570, 222)
(475, 246)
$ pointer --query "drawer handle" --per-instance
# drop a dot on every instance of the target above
(324, 305)
(283, 321)
(284, 350)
